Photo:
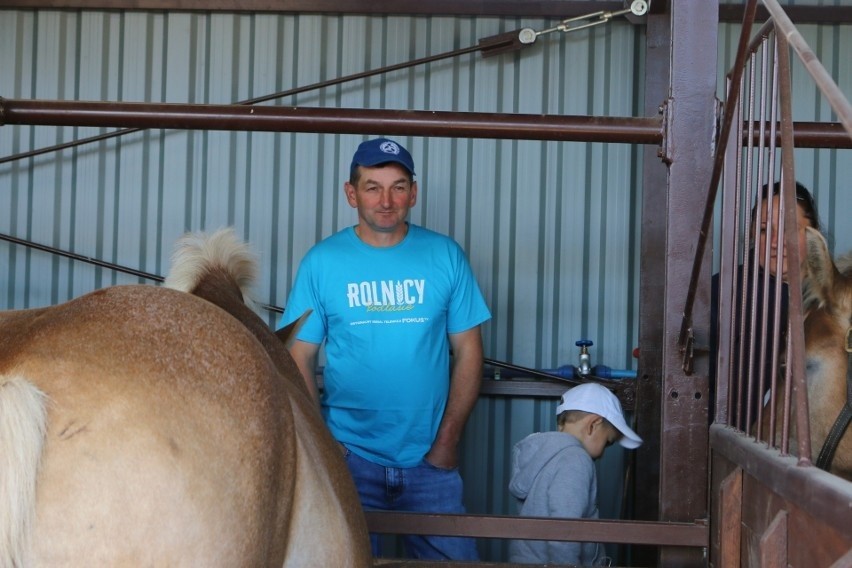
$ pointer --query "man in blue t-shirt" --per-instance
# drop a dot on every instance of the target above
(389, 300)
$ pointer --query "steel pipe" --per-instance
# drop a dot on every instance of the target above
(695, 534)
(325, 120)
(627, 130)
(821, 76)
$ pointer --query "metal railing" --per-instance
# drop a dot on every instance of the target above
(758, 346)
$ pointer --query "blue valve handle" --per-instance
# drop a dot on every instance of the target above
(583, 343)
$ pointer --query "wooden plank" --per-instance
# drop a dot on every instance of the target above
(773, 543)
(731, 499)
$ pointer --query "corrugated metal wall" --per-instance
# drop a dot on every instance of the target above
(551, 228)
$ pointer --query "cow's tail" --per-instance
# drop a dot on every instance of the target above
(23, 422)
(196, 255)
(221, 269)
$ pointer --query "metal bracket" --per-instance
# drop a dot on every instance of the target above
(665, 150)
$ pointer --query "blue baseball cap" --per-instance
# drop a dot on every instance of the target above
(381, 151)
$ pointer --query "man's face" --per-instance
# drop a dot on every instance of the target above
(383, 197)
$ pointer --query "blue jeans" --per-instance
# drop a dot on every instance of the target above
(421, 489)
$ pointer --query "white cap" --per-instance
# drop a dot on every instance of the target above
(594, 398)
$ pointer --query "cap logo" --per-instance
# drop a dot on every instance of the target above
(389, 147)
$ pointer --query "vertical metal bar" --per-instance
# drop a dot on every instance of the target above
(652, 282)
(685, 396)
(756, 181)
(716, 172)
(783, 83)
(770, 214)
(795, 355)
(770, 153)
(743, 303)
(729, 276)
(727, 280)
(760, 278)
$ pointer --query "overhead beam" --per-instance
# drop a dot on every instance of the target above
(332, 120)
(566, 128)
(560, 9)
(509, 8)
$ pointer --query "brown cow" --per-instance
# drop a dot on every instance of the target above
(146, 426)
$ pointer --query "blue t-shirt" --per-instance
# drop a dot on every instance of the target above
(385, 313)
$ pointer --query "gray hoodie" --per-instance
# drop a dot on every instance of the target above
(554, 476)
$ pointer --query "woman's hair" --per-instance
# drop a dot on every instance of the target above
(803, 198)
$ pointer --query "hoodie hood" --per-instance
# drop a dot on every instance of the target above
(531, 455)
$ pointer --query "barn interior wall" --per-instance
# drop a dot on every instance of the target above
(551, 228)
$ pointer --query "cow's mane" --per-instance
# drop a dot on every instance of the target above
(811, 299)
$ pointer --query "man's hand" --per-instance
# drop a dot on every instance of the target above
(465, 380)
(443, 456)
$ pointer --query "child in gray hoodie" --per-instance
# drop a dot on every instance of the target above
(553, 473)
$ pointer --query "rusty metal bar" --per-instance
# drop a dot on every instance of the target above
(826, 14)
(796, 338)
(502, 387)
(718, 161)
(760, 37)
(762, 278)
(624, 389)
(82, 258)
(727, 270)
(339, 121)
(511, 8)
(613, 384)
(684, 400)
(626, 130)
(652, 287)
(100, 263)
(822, 78)
(746, 282)
(520, 387)
(508, 527)
(810, 135)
